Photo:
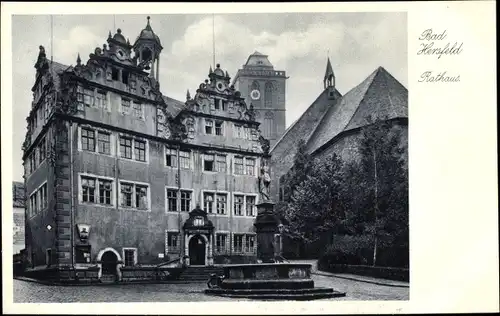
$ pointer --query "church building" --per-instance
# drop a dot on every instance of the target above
(333, 122)
(118, 175)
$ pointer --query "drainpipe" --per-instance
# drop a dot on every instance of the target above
(71, 188)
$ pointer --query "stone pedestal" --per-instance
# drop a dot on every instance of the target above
(266, 226)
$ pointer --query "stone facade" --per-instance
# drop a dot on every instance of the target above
(114, 169)
(264, 88)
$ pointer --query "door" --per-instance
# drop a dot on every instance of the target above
(109, 262)
(197, 251)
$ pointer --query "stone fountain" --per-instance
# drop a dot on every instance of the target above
(269, 279)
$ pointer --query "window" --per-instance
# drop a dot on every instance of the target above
(198, 221)
(95, 190)
(48, 257)
(238, 205)
(173, 241)
(221, 163)
(141, 197)
(105, 187)
(221, 203)
(223, 105)
(126, 147)
(138, 110)
(129, 256)
(88, 139)
(171, 200)
(238, 243)
(87, 95)
(209, 125)
(268, 96)
(208, 162)
(185, 201)
(208, 202)
(100, 100)
(184, 159)
(238, 165)
(249, 243)
(82, 253)
(250, 205)
(140, 150)
(219, 128)
(238, 131)
(43, 196)
(171, 157)
(126, 192)
(88, 190)
(125, 106)
(250, 166)
(125, 76)
(42, 150)
(217, 104)
(220, 242)
(104, 143)
(114, 74)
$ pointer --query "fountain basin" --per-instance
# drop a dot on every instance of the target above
(270, 281)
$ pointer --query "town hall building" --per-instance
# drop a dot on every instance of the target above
(118, 175)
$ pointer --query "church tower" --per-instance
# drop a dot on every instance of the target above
(147, 49)
(329, 80)
(265, 89)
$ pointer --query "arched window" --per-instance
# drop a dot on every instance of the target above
(268, 95)
(268, 124)
(254, 86)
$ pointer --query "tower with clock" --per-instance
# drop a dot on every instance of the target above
(265, 88)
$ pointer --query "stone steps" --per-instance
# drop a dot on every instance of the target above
(279, 294)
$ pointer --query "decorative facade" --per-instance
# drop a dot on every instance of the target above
(118, 175)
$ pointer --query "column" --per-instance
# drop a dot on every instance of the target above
(210, 257)
(186, 249)
(158, 69)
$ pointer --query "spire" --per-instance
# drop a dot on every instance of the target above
(210, 70)
(78, 60)
(329, 79)
(109, 34)
(188, 95)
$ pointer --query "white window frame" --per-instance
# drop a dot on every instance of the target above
(134, 139)
(121, 106)
(254, 249)
(135, 255)
(112, 147)
(233, 208)
(191, 154)
(215, 193)
(254, 165)
(36, 199)
(165, 148)
(256, 196)
(133, 207)
(167, 247)
(176, 189)
(191, 201)
(234, 165)
(222, 127)
(96, 178)
(214, 167)
(212, 125)
(228, 241)
(233, 248)
(133, 103)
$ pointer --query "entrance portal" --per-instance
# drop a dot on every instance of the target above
(197, 250)
(109, 262)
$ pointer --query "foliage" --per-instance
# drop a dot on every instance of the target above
(364, 198)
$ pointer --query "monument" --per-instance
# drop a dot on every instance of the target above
(268, 279)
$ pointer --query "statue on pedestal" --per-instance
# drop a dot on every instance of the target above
(264, 182)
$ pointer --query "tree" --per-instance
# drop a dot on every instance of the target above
(379, 201)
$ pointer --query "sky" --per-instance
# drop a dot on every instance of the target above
(298, 43)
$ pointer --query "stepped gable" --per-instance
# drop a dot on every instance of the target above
(379, 95)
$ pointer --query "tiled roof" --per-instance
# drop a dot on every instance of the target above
(56, 69)
(174, 107)
(18, 194)
(380, 95)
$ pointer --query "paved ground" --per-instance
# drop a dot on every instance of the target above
(29, 292)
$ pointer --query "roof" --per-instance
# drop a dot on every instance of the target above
(379, 95)
(148, 34)
(56, 70)
(329, 70)
(174, 107)
(258, 59)
(305, 125)
(18, 194)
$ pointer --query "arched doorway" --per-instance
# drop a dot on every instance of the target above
(109, 260)
(197, 251)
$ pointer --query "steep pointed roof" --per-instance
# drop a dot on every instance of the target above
(329, 70)
(258, 59)
(147, 34)
(174, 107)
(379, 95)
